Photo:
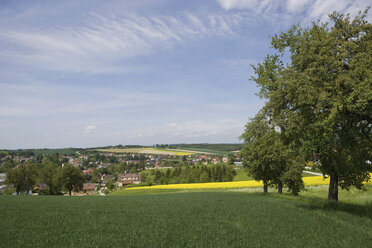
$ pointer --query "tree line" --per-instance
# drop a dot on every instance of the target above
(25, 176)
(192, 174)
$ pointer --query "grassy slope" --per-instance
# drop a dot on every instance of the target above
(206, 219)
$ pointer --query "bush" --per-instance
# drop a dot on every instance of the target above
(292, 178)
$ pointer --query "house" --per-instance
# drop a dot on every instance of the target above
(216, 160)
(205, 157)
(89, 188)
(75, 162)
(103, 165)
(125, 179)
(89, 171)
(104, 178)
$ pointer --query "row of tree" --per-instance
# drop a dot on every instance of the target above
(26, 176)
(318, 105)
(193, 174)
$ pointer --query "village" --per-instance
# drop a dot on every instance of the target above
(106, 171)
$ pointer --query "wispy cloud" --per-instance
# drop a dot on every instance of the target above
(285, 9)
(102, 41)
(37, 99)
(240, 62)
(220, 130)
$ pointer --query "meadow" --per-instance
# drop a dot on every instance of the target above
(189, 219)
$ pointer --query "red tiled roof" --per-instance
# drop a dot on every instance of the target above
(89, 186)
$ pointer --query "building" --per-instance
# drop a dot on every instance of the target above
(89, 188)
(89, 171)
(105, 178)
(125, 179)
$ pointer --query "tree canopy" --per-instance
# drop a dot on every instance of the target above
(70, 177)
(268, 158)
(321, 100)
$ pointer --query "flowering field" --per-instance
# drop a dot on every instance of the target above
(309, 181)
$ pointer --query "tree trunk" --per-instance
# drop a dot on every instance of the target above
(69, 192)
(265, 187)
(333, 187)
(280, 188)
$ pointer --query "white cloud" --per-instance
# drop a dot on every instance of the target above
(102, 41)
(306, 9)
(296, 5)
(89, 129)
(173, 124)
(238, 4)
(223, 130)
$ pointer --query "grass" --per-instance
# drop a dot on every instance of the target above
(197, 219)
(242, 175)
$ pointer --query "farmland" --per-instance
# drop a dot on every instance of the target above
(309, 181)
(182, 149)
(196, 219)
(145, 151)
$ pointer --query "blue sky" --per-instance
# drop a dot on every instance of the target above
(107, 72)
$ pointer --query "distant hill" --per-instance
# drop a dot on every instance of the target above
(221, 149)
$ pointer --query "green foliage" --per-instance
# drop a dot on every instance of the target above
(292, 178)
(322, 99)
(65, 151)
(266, 157)
(7, 165)
(110, 184)
(23, 177)
(70, 177)
(190, 174)
(48, 175)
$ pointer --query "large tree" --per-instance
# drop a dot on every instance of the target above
(49, 176)
(322, 99)
(70, 177)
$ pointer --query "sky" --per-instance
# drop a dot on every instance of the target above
(107, 72)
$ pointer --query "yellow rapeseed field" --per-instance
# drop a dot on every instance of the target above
(177, 153)
(309, 181)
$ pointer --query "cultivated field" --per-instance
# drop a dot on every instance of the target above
(206, 219)
(309, 181)
(193, 151)
(146, 151)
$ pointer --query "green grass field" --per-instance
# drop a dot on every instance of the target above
(188, 219)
